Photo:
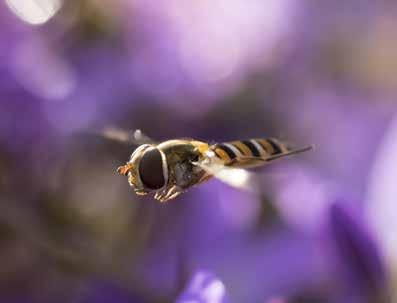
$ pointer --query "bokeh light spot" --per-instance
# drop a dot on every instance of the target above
(34, 11)
(42, 71)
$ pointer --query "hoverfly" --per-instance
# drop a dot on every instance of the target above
(169, 168)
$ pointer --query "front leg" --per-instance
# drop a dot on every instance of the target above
(168, 193)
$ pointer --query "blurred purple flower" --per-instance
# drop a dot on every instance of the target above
(294, 185)
(204, 287)
(203, 50)
(219, 228)
(347, 132)
(358, 254)
(382, 192)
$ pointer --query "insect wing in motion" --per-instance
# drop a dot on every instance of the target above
(136, 138)
(236, 177)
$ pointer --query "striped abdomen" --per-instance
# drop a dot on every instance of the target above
(245, 152)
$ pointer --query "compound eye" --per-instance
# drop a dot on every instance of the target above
(151, 169)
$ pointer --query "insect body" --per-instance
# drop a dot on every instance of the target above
(171, 167)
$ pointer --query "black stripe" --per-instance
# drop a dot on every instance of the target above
(276, 148)
(229, 152)
(252, 147)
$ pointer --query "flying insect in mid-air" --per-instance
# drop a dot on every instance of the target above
(169, 168)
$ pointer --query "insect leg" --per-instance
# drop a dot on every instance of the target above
(173, 196)
(168, 193)
(158, 196)
(161, 195)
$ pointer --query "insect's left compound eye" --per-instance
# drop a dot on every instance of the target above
(151, 169)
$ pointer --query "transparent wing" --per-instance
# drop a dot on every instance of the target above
(236, 177)
(137, 137)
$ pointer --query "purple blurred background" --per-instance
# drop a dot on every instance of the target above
(310, 72)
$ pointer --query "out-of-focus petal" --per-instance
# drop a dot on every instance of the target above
(302, 195)
(382, 193)
(204, 287)
(41, 70)
(346, 133)
(358, 253)
(381, 199)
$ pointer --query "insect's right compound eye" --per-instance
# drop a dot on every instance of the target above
(151, 169)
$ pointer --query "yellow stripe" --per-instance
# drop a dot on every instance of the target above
(201, 146)
(222, 154)
(267, 146)
(241, 146)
